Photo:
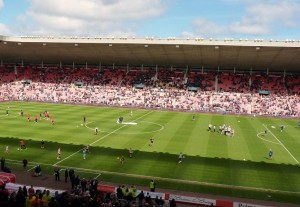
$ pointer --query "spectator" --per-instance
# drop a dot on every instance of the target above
(148, 199)
(20, 198)
(83, 184)
(172, 203)
(31, 190)
(53, 203)
(4, 194)
(46, 198)
(119, 192)
(25, 192)
(141, 197)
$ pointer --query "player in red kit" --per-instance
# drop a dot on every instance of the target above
(36, 118)
(28, 117)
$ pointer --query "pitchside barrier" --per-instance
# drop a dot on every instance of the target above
(200, 201)
(13, 187)
(184, 199)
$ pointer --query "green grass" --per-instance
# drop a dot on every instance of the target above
(214, 163)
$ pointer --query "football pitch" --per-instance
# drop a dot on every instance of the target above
(213, 163)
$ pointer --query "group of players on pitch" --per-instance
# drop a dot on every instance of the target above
(85, 150)
(22, 146)
(44, 114)
(223, 129)
(226, 130)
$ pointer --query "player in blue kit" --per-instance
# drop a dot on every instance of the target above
(270, 154)
(84, 153)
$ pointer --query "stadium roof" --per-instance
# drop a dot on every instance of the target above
(241, 54)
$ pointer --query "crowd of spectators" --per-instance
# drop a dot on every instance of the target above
(83, 193)
(149, 97)
(123, 197)
(164, 89)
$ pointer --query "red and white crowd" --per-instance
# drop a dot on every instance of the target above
(166, 90)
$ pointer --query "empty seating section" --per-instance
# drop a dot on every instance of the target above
(293, 83)
(208, 81)
(168, 78)
(272, 83)
(7, 74)
(219, 92)
(144, 76)
(205, 81)
(234, 82)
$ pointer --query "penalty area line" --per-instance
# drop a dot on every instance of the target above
(281, 144)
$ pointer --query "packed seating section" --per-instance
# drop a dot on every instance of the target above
(163, 88)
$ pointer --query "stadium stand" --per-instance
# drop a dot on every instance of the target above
(164, 89)
(102, 196)
(222, 92)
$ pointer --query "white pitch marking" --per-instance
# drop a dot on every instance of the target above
(97, 172)
(86, 125)
(31, 168)
(281, 144)
(265, 139)
(161, 128)
(97, 176)
(100, 139)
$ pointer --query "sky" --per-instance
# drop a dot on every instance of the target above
(251, 19)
